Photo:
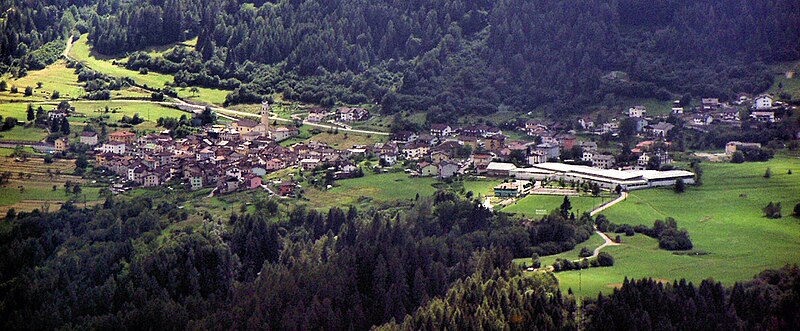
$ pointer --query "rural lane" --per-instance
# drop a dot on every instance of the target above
(608, 241)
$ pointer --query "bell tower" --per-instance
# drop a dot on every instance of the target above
(265, 113)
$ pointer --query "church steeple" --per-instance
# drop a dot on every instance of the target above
(265, 113)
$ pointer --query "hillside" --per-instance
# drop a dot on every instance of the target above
(450, 58)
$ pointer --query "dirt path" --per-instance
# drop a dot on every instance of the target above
(608, 241)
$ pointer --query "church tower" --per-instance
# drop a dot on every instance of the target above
(265, 113)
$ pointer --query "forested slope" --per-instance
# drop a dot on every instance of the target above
(459, 56)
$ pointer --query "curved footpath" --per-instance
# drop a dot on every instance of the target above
(608, 240)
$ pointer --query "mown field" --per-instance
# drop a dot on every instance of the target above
(372, 188)
(82, 52)
(724, 219)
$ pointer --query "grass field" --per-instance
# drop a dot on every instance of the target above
(482, 187)
(21, 133)
(528, 206)
(787, 85)
(55, 77)
(82, 52)
(372, 188)
(117, 109)
(724, 220)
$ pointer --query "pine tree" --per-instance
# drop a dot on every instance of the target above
(768, 173)
(680, 186)
(31, 115)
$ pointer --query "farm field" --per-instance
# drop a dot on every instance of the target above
(37, 191)
(783, 84)
(118, 109)
(725, 223)
(528, 206)
(82, 52)
(380, 188)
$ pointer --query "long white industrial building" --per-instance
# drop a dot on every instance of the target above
(606, 178)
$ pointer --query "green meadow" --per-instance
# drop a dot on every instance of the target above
(380, 188)
(81, 51)
(732, 238)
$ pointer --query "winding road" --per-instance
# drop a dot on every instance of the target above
(608, 241)
(223, 112)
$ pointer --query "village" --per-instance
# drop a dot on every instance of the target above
(237, 156)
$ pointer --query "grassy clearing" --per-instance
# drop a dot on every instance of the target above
(55, 77)
(528, 206)
(654, 106)
(783, 84)
(82, 52)
(724, 219)
(381, 188)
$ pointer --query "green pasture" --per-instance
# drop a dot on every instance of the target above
(380, 188)
(527, 206)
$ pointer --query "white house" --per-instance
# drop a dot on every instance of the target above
(637, 111)
(89, 138)
(114, 147)
(763, 102)
(763, 116)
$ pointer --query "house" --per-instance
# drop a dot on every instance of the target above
(274, 164)
(702, 119)
(346, 114)
(441, 130)
(640, 122)
(309, 164)
(602, 161)
(677, 109)
(231, 184)
(286, 188)
(428, 169)
(763, 102)
(587, 155)
(404, 137)
(536, 157)
(479, 159)
(763, 116)
(416, 150)
(447, 169)
(470, 141)
(550, 151)
(196, 181)
(730, 114)
(114, 147)
(494, 143)
(586, 123)
(732, 146)
(507, 190)
(151, 179)
(590, 146)
(610, 127)
(254, 182)
(660, 129)
(62, 144)
(56, 114)
(283, 132)
(317, 114)
(566, 140)
(637, 111)
(439, 156)
(710, 104)
(88, 138)
(125, 137)
(389, 158)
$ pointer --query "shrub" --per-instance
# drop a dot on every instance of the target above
(773, 210)
(585, 252)
(797, 209)
(605, 260)
(673, 239)
(28, 91)
(680, 186)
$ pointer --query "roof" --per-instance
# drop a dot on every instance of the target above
(501, 166)
(247, 123)
(122, 134)
(88, 134)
